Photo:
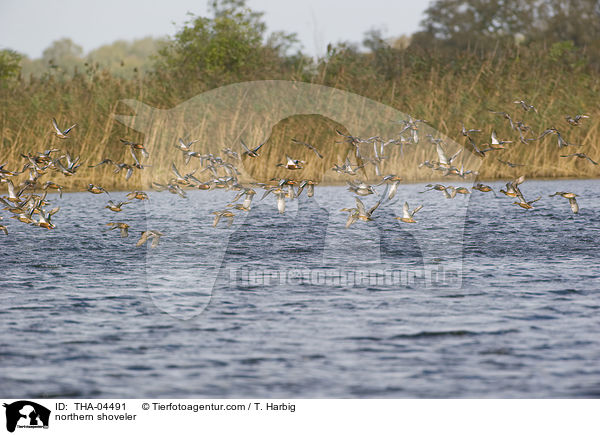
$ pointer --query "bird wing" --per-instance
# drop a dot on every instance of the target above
(574, 205)
(393, 190)
(281, 202)
(103, 162)
(128, 173)
(495, 140)
(455, 155)
(518, 181)
(143, 239)
(238, 196)
(137, 162)
(360, 206)
(11, 189)
(309, 146)
(316, 152)
(61, 167)
(351, 219)
(128, 142)
(69, 129)
(512, 125)
(416, 210)
(546, 132)
(180, 191)
(175, 171)
(244, 146)
(183, 145)
(55, 125)
(405, 212)
(155, 240)
(248, 201)
(266, 193)
(377, 204)
(442, 155)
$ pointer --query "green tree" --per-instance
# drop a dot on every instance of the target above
(573, 20)
(485, 23)
(230, 45)
(64, 53)
(473, 23)
(10, 65)
(384, 56)
(122, 58)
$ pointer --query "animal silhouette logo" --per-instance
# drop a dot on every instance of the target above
(219, 120)
(26, 414)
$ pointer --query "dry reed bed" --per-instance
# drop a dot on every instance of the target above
(444, 96)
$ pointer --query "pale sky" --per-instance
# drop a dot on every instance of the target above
(29, 26)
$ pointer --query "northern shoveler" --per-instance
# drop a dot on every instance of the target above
(63, 134)
(150, 234)
(407, 215)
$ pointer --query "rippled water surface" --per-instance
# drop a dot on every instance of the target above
(488, 300)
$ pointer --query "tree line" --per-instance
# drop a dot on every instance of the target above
(233, 43)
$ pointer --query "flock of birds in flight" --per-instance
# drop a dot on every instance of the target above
(31, 208)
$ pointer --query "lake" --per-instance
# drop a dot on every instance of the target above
(478, 299)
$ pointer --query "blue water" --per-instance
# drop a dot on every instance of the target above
(84, 313)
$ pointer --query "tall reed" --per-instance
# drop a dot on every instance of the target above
(446, 92)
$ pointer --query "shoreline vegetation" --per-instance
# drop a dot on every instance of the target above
(447, 86)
